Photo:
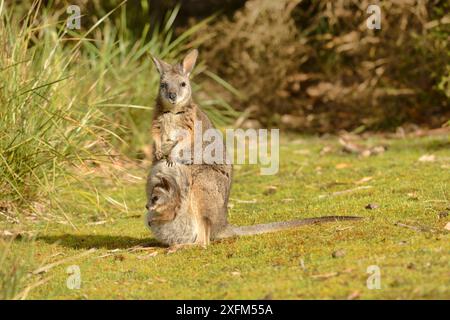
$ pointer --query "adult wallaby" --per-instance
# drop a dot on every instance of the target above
(187, 202)
(210, 183)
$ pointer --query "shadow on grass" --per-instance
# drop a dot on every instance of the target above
(89, 241)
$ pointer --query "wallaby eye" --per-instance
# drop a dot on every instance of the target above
(163, 85)
(154, 199)
(183, 84)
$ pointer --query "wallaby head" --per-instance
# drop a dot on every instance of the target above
(175, 87)
(164, 199)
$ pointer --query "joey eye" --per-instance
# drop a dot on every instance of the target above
(154, 199)
(183, 84)
(163, 85)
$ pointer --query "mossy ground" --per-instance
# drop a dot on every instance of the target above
(295, 264)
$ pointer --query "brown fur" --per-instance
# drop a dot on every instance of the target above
(210, 183)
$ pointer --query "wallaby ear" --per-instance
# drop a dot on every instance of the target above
(165, 183)
(161, 65)
(189, 61)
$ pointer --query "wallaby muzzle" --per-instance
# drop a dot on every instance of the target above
(172, 97)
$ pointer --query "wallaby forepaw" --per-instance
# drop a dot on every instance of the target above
(170, 162)
(159, 155)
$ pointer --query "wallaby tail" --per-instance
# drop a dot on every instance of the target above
(232, 231)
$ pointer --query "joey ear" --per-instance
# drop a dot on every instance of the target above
(165, 183)
(189, 61)
(161, 65)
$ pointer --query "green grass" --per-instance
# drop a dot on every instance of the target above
(413, 264)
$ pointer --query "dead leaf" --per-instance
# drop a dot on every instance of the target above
(148, 256)
(447, 226)
(366, 153)
(413, 195)
(119, 257)
(302, 264)
(268, 296)
(427, 158)
(338, 253)
(378, 150)
(6, 234)
(325, 150)
(270, 190)
(372, 206)
(364, 180)
(343, 165)
(361, 150)
(442, 215)
(303, 152)
(354, 295)
(160, 279)
(16, 234)
(351, 147)
(236, 273)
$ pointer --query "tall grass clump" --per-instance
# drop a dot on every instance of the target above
(68, 96)
(45, 122)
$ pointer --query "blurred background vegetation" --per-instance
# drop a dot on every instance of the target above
(71, 98)
(314, 65)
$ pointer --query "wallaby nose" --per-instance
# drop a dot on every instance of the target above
(172, 96)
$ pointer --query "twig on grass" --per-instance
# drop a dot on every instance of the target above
(57, 263)
(325, 275)
(415, 228)
(23, 294)
(338, 193)
(9, 218)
